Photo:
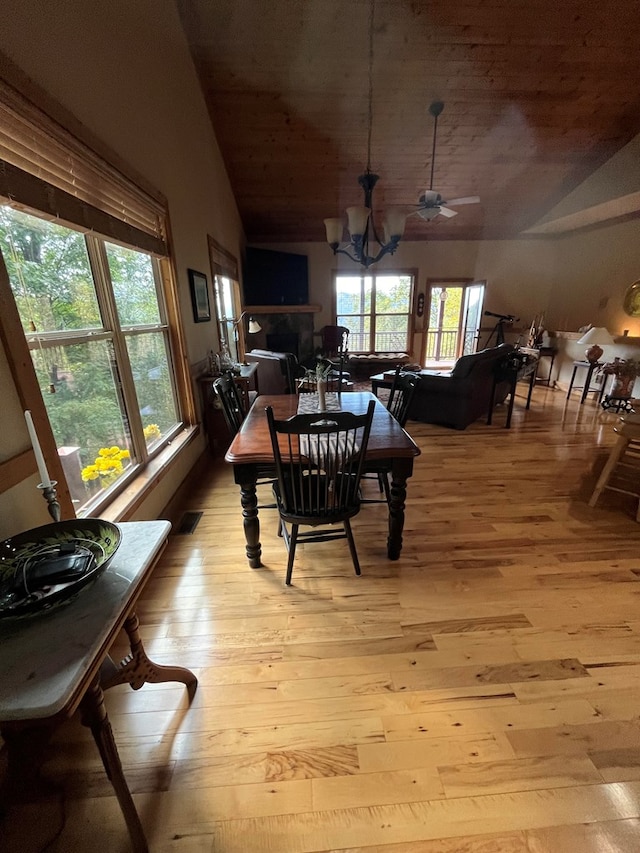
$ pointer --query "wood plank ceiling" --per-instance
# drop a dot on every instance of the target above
(538, 94)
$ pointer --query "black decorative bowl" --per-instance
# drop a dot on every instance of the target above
(49, 565)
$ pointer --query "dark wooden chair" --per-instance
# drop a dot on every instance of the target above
(319, 462)
(398, 405)
(335, 341)
(234, 414)
(229, 396)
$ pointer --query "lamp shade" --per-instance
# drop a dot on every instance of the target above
(254, 326)
(394, 223)
(596, 338)
(333, 228)
(597, 335)
(358, 218)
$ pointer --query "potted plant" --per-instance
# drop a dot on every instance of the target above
(624, 371)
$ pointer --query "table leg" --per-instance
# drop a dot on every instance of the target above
(136, 669)
(94, 716)
(573, 376)
(401, 470)
(532, 382)
(251, 523)
(587, 383)
(512, 394)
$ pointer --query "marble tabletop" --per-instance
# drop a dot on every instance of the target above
(45, 659)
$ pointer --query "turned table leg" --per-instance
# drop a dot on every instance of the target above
(400, 472)
(136, 669)
(246, 477)
(94, 716)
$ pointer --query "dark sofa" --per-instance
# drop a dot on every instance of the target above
(461, 396)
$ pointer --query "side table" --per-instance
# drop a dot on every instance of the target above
(590, 367)
(56, 663)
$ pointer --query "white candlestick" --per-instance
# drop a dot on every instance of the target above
(42, 465)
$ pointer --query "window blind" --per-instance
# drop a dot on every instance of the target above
(43, 166)
(222, 262)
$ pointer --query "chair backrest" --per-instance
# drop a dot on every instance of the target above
(401, 395)
(229, 396)
(277, 378)
(335, 340)
(319, 460)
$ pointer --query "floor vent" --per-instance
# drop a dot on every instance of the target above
(188, 523)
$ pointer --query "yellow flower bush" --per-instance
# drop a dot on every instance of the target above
(107, 466)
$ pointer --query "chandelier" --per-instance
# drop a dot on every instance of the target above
(365, 246)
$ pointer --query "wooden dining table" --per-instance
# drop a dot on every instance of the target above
(390, 447)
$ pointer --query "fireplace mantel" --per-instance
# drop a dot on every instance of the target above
(282, 309)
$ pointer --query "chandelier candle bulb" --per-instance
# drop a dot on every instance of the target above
(42, 466)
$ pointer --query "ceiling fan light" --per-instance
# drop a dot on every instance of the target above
(358, 218)
(334, 229)
(394, 222)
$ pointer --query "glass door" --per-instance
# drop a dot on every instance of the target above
(453, 319)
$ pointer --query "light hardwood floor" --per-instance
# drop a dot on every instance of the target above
(480, 695)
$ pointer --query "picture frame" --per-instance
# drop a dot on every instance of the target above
(199, 296)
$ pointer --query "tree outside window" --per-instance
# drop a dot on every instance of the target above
(376, 309)
(93, 316)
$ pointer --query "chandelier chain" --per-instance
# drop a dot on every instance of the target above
(370, 115)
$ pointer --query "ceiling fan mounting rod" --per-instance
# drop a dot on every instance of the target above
(435, 109)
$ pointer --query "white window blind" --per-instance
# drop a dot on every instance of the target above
(45, 167)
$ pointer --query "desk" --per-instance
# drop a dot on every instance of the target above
(388, 443)
(512, 375)
(590, 367)
(58, 662)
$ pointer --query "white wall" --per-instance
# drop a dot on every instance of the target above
(124, 70)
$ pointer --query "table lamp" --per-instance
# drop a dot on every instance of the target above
(596, 338)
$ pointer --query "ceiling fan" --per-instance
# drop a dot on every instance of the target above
(430, 203)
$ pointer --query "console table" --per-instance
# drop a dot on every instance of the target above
(512, 374)
(54, 663)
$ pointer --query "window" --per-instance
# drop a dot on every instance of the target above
(94, 319)
(376, 309)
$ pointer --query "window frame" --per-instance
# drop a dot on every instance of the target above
(371, 315)
(147, 229)
(116, 334)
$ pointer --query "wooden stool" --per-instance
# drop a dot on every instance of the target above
(623, 464)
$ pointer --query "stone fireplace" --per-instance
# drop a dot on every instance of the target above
(285, 328)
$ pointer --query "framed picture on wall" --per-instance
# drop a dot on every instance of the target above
(199, 296)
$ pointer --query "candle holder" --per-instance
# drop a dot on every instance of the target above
(51, 496)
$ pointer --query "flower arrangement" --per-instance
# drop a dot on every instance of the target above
(622, 367)
(624, 371)
(319, 373)
(151, 433)
(107, 466)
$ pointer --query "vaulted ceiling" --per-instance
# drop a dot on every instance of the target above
(538, 95)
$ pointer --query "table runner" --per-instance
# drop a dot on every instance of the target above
(308, 403)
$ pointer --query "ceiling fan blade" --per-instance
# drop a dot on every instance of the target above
(468, 199)
(448, 213)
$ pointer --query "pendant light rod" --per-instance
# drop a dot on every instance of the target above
(362, 228)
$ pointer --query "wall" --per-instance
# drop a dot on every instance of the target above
(575, 280)
(124, 70)
(519, 273)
